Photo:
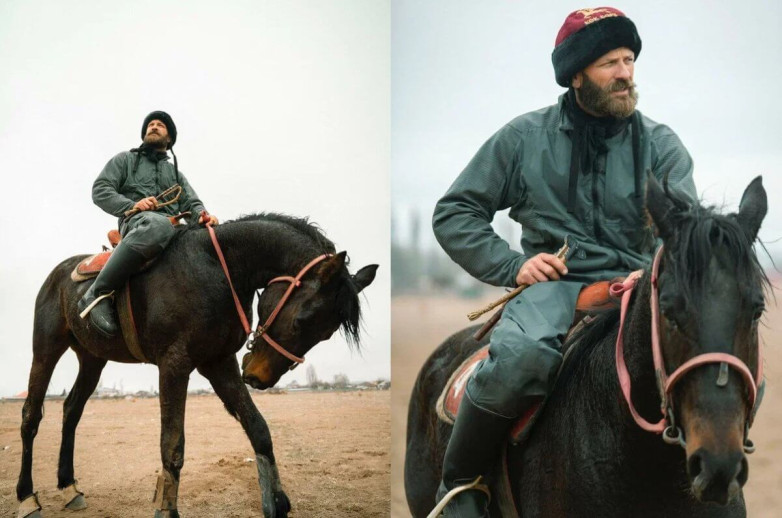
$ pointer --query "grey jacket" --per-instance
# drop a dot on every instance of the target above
(117, 188)
(525, 166)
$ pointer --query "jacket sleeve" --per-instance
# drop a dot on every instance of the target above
(189, 200)
(106, 188)
(462, 218)
(669, 156)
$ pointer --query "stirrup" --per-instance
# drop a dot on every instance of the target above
(94, 303)
(475, 484)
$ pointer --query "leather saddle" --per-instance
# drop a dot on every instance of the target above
(91, 266)
(593, 299)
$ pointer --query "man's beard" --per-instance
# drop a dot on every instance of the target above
(599, 101)
(155, 140)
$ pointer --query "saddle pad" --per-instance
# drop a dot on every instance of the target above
(90, 267)
(447, 405)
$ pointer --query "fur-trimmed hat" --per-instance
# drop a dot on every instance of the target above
(165, 119)
(588, 34)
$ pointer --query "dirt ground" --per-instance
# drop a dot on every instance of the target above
(419, 325)
(332, 449)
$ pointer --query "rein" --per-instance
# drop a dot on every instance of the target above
(665, 383)
(262, 330)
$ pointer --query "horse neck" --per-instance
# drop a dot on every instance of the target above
(638, 351)
(591, 425)
(256, 253)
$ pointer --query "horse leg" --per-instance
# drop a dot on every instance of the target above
(226, 380)
(173, 395)
(90, 368)
(32, 413)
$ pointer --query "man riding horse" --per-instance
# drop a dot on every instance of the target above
(128, 188)
(575, 168)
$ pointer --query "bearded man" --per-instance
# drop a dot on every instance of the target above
(576, 168)
(131, 181)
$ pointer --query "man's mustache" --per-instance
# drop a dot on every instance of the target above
(619, 85)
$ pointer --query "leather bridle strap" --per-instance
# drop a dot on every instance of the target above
(626, 290)
(262, 329)
(294, 283)
(221, 257)
(665, 382)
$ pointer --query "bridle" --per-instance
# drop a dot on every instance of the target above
(673, 434)
(262, 330)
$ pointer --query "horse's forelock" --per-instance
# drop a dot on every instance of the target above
(700, 232)
(349, 310)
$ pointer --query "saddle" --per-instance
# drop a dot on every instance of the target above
(593, 299)
(92, 265)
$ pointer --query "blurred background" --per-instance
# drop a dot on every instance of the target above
(462, 69)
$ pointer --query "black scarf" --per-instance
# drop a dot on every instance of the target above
(154, 155)
(589, 140)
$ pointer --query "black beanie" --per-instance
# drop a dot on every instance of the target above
(165, 119)
(588, 34)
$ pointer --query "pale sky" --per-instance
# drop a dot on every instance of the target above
(711, 71)
(280, 105)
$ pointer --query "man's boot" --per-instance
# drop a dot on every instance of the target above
(475, 445)
(124, 262)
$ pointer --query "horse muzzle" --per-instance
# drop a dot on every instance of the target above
(257, 373)
(715, 477)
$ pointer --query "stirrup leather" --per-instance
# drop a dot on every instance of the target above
(475, 484)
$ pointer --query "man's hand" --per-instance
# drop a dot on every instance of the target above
(541, 268)
(205, 218)
(148, 203)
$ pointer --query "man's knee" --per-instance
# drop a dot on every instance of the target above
(150, 234)
(511, 376)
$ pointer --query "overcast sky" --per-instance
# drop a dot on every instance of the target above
(280, 106)
(461, 69)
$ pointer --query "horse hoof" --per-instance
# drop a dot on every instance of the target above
(166, 513)
(282, 504)
(77, 504)
(74, 498)
(30, 507)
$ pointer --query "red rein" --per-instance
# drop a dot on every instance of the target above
(262, 329)
(666, 383)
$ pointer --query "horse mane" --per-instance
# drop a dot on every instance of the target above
(699, 232)
(301, 225)
(603, 329)
(349, 308)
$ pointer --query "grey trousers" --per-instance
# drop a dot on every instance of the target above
(524, 351)
(147, 232)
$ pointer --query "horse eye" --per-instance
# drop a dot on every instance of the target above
(758, 314)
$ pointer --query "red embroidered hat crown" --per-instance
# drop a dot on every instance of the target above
(588, 34)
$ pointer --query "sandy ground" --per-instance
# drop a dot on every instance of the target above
(331, 447)
(419, 325)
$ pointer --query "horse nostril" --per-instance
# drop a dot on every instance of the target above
(743, 474)
(695, 465)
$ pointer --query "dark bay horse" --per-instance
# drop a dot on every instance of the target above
(187, 319)
(585, 455)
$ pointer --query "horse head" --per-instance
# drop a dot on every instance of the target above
(711, 298)
(325, 298)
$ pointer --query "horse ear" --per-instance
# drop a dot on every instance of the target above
(331, 267)
(365, 276)
(659, 206)
(753, 208)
